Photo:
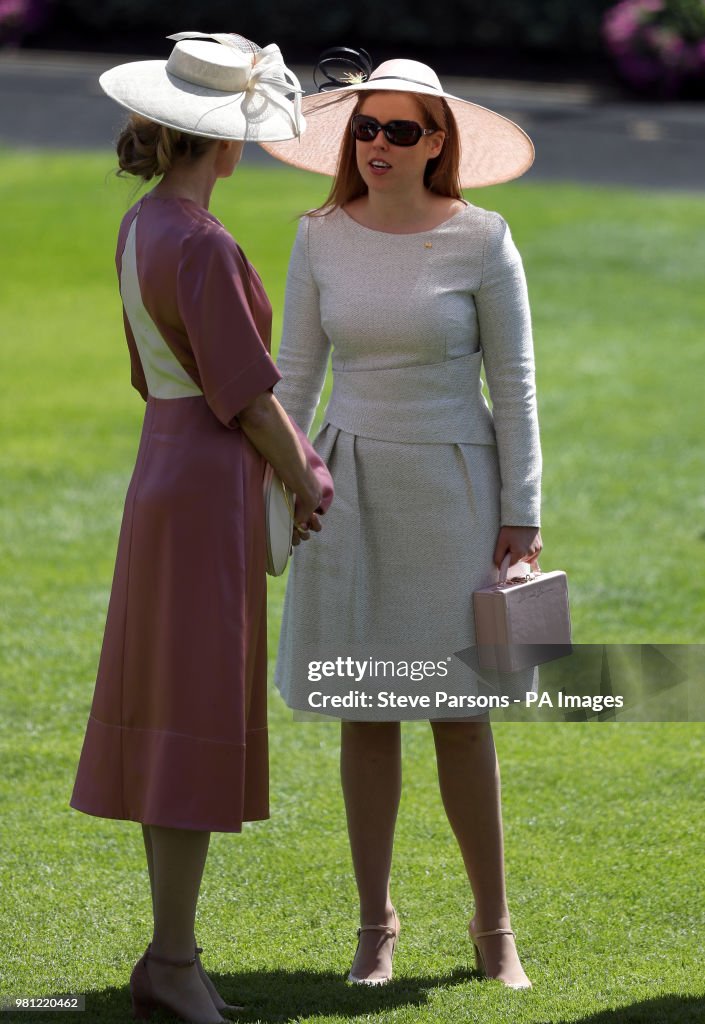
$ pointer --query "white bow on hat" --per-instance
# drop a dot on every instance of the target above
(262, 71)
(235, 90)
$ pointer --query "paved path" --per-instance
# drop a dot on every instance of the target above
(581, 133)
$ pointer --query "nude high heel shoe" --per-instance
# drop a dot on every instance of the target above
(213, 992)
(388, 933)
(519, 983)
(144, 1000)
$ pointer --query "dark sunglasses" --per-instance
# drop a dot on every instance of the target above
(399, 133)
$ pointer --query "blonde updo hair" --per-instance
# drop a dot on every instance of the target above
(148, 150)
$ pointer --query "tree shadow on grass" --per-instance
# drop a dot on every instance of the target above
(276, 997)
(661, 1010)
(270, 997)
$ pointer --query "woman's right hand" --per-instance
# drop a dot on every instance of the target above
(304, 524)
(270, 430)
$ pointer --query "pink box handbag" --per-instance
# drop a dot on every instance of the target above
(522, 621)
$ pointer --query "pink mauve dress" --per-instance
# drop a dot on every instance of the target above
(177, 734)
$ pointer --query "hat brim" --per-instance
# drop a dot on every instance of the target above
(146, 88)
(493, 149)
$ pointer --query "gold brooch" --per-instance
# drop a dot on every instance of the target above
(428, 245)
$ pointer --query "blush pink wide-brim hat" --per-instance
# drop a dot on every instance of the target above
(492, 148)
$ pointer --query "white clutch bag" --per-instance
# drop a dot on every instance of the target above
(522, 621)
(278, 521)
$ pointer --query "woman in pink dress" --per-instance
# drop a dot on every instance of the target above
(177, 736)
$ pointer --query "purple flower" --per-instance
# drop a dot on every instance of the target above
(620, 28)
(645, 8)
(664, 42)
(691, 61)
(654, 43)
(12, 10)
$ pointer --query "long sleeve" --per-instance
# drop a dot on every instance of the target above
(508, 355)
(303, 355)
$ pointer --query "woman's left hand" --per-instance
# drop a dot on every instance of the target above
(522, 542)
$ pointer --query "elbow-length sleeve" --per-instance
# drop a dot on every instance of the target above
(303, 355)
(508, 356)
(215, 302)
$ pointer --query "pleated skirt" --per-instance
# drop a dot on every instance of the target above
(409, 537)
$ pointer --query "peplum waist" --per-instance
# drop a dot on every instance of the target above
(436, 403)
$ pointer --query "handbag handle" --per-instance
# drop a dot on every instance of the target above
(504, 568)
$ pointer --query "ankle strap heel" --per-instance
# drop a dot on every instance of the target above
(149, 955)
(492, 931)
(145, 1000)
(515, 980)
(386, 932)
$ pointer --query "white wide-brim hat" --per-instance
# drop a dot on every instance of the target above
(492, 148)
(219, 86)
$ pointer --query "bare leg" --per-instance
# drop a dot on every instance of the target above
(175, 860)
(468, 774)
(370, 771)
(146, 835)
(218, 1000)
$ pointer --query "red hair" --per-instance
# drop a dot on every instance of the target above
(442, 174)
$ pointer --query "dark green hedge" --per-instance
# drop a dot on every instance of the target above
(303, 26)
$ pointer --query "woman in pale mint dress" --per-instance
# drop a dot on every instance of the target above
(413, 289)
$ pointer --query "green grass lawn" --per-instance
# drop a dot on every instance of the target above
(604, 849)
